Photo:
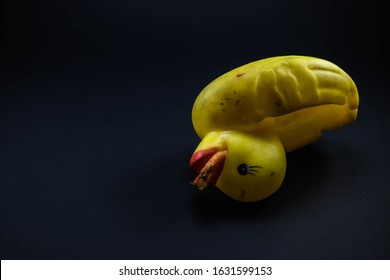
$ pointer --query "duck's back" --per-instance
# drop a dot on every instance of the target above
(294, 96)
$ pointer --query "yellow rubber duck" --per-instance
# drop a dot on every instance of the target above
(250, 117)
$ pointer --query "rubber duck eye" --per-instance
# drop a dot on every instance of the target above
(243, 169)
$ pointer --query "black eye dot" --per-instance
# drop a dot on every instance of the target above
(243, 169)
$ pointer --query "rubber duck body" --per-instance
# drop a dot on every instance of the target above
(250, 117)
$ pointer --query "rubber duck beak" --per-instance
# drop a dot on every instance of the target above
(208, 164)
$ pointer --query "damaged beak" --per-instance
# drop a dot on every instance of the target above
(208, 164)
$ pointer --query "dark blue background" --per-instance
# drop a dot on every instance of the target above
(96, 132)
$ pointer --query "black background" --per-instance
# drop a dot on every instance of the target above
(96, 132)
